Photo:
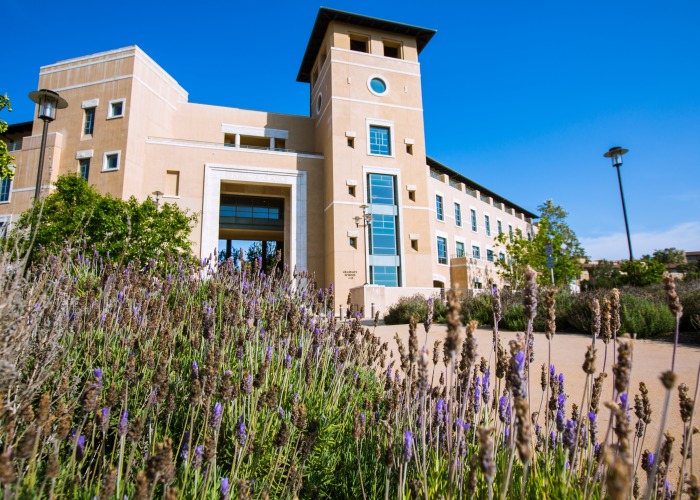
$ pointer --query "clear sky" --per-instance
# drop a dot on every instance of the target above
(523, 97)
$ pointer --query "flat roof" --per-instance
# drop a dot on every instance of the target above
(325, 16)
(432, 163)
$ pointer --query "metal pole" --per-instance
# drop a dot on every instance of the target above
(551, 272)
(624, 212)
(40, 171)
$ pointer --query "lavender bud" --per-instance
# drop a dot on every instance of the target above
(216, 415)
(104, 421)
(288, 361)
(123, 424)
(560, 421)
(224, 493)
(198, 454)
(240, 431)
(185, 445)
(407, 446)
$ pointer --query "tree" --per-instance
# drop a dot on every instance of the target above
(551, 229)
(668, 256)
(642, 272)
(130, 230)
(5, 158)
(604, 275)
(255, 251)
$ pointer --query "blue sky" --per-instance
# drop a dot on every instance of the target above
(523, 97)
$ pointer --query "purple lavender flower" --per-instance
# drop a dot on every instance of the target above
(123, 424)
(568, 438)
(561, 401)
(377, 417)
(362, 418)
(216, 415)
(240, 431)
(268, 353)
(80, 448)
(223, 495)
(477, 397)
(105, 419)
(280, 412)
(198, 455)
(98, 375)
(560, 421)
(520, 360)
(120, 297)
(502, 401)
(288, 361)
(552, 439)
(592, 416)
(561, 383)
(650, 461)
(185, 445)
(623, 400)
(195, 370)
(407, 446)
(552, 371)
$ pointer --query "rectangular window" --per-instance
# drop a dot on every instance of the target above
(529, 236)
(111, 161)
(89, 121)
(172, 183)
(489, 255)
(510, 232)
(473, 214)
(459, 249)
(358, 43)
(392, 49)
(85, 168)
(487, 225)
(381, 189)
(379, 140)
(442, 250)
(438, 207)
(458, 214)
(500, 227)
(116, 108)
(502, 257)
(383, 240)
(5, 185)
(383, 232)
(384, 275)
(476, 251)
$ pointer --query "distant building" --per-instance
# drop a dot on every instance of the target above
(300, 181)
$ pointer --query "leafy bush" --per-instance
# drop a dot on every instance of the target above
(690, 321)
(645, 317)
(477, 307)
(416, 307)
(513, 318)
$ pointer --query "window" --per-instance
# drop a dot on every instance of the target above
(438, 207)
(351, 190)
(381, 189)
(502, 257)
(111, 161)
(5, 185)
(379, 140)
(459, 249)
(473, 214)
(383, 232)
(172, 183)
(458, 214)
(442, 250)
(412, 195)
(476, 251)
(84, 168)
(529, 236)
(383, 240)
(499, 224)
(89, 121)
(351, 142)
(377, 85)
(409, 149)
(487, 225)
(353, 241)
(489, 255)
(414, 245)
(510, 232)
(392, 49)
(116, 108)
(384, 275)
(359, 43)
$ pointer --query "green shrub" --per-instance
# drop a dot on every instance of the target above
(415, 306)
(690, 321)
(646, 318)
(477, 307)
(514, 318)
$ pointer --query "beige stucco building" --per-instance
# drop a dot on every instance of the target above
(301, 181)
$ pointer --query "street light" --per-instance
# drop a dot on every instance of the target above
(48, 101)
(615, 155)
(157, 194)
(364, 222)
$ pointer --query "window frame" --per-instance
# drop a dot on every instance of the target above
(458, 214)
(476, 252)
(457, 244)
(93, 111)
(439, 207)
(383, 80)
(472, 216)
(105, 162)
(487, 224)
(110, 108)
(440, 258)
(9, 187)
(80, 167)
(385, 124)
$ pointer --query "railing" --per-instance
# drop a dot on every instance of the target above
(470, 191)
(436, 175)
(498, 205)
(485, 199)
(233, 146)
(455, 184)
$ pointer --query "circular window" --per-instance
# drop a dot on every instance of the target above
(319, 101)
(377, 85)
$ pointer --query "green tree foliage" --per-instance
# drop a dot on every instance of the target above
(553, 229)
(5, 158)
(668, 256)
(127, 229)
(255, 251)
(642, 272)
(604, 275)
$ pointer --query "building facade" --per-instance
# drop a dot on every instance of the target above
(304, 182)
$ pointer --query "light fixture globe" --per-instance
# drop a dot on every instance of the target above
(48, 101)
(615, 155)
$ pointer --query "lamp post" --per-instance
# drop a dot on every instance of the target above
(157, 194)
(48, 101)
(615, 155)
(364, 222)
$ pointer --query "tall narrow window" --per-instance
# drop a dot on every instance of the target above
(473, 214)
(442, 250)
(458, 214)
(487, 225)
(89, 121)
(459, 249)
(500, 227)
(379, 140)
(489, 255)
(5, 190)
(85, 168)
(510, 232)
(476, 251)
(383, 233)
(438, 208)
(172, 183)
